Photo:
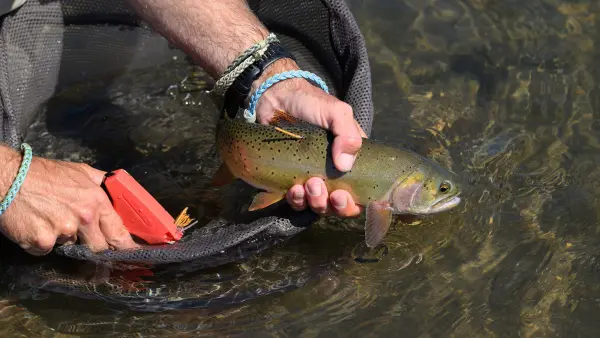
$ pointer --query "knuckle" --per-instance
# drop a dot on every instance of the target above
(83, 166)
(98, 197)
(87, 215)
(118, 241)
(44, 242)
(69, 228)
(342, 107)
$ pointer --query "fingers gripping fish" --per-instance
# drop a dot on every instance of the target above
(386, 180)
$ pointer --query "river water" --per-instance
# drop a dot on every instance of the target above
(503, 92)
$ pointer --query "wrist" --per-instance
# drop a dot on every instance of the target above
(9, 162)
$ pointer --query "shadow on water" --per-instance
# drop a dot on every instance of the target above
(504, 93)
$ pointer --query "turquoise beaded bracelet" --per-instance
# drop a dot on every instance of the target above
(18, 182)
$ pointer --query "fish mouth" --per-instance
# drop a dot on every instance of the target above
(445, 204)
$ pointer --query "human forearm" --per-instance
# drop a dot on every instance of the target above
(9, 162)
(216, 32)
(213, 32)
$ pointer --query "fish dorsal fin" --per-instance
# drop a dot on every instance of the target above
(379, 219)
(284, 120)
(291, 125)
(281, 117)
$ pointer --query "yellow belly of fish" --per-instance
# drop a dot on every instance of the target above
(265, 173)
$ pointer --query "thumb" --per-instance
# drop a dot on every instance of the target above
(348, 135)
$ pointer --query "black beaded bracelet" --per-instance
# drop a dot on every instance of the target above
(239, 90)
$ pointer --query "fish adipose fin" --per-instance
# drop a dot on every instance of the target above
(223, 176)
(264, 199)
(379, 218)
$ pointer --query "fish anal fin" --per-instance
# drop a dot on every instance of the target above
(264, 199)
(223, 176)
(379, 218)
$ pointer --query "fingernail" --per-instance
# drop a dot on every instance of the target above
(314, 188)
(298, 196)
(345, 161)
(340, 202)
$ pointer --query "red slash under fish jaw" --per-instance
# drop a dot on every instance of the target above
(403, 197)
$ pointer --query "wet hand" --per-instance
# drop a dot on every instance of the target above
(58, 203)
(300, 98)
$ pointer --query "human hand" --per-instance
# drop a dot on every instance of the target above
(301, 99)
(58, 203)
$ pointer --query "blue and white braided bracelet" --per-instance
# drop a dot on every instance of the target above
(250, 112)
(18, 182)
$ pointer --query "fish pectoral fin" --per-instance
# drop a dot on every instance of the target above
(223, 176)
(379, 218)
(264, 199)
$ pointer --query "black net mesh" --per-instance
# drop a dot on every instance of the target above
(326, 39)
(49, 45)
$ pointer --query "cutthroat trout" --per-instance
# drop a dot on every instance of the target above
(289, 151)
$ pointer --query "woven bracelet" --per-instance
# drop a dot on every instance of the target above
(250, 113)
(18, 182)
(242, 62)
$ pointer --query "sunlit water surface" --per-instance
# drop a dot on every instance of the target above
(503, 92)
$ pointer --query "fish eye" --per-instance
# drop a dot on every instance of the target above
(445, 187)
